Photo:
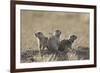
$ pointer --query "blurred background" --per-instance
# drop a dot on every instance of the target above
(48, 21)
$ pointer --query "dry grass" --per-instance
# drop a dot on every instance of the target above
(31, 55)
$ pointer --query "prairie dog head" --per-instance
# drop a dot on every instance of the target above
(57, 33)
(73, 37)
(39, 35)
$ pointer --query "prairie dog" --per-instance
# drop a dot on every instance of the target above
(67, 43)
(53, 41)
(42, 40)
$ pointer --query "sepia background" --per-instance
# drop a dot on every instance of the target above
(47, 22)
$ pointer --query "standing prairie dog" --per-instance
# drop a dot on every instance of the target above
(53, 41)
(42, 40)
(67, 43)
